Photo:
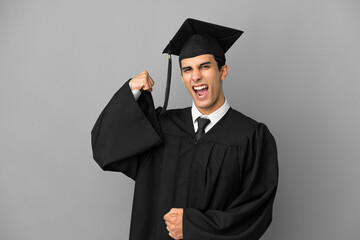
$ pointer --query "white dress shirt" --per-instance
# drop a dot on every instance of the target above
(214, 117)
(136, 92)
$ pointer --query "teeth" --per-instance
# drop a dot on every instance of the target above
(196, 88)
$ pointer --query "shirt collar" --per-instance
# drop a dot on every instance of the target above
(214, 116)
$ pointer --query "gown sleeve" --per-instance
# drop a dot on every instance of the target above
(250, 213)
(125, 131)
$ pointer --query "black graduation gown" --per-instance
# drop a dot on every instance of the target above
(225, 182)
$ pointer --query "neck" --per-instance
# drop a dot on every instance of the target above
(213, 108)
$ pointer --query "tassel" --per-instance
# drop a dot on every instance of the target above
(168, 82)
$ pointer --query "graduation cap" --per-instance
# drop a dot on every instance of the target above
(196, 38)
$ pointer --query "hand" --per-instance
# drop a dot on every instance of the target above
(174, 222)
(142, 82)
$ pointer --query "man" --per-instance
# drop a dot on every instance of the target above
(205, 172)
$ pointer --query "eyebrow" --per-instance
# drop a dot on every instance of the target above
(205, 63)
(202, 64)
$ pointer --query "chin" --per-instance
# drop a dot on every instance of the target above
(203, 105)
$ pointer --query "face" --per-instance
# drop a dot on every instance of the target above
(203, 79)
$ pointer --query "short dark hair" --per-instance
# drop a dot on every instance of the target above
(219, 62)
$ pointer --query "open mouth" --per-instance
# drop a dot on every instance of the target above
(201, 90)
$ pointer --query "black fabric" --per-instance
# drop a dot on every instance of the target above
(199, 44)
(202, 123)
(197, 37)
(225, 182)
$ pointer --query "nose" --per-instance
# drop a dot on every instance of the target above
(195, 75)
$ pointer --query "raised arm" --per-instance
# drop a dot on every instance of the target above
(126, 129)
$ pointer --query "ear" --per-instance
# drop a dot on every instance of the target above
(223, 72)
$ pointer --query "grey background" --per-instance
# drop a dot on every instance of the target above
(296, 68)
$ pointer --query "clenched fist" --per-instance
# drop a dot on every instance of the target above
(142, 82)
(174, 222)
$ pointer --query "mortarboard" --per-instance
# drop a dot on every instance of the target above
(195, 38)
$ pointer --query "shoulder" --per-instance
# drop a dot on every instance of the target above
(240, 123)
(176, 113)
(241, 119)
(235, 127)
(177, 121)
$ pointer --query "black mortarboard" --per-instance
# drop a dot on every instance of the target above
(195, 38)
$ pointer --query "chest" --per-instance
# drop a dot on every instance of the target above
(199, 174)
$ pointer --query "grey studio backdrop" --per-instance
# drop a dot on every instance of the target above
(296, 68)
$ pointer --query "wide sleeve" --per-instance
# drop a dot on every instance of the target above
(125, 131)
(250, 213)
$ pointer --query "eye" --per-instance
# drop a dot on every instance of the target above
(205, 67)
(186, 69)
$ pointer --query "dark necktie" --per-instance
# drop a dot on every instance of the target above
(202, 123)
